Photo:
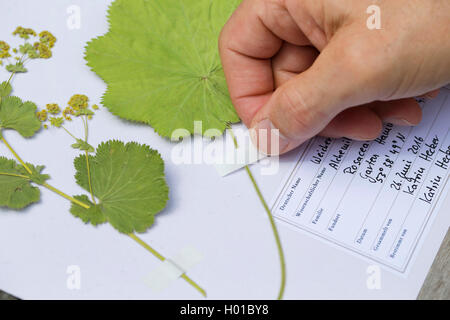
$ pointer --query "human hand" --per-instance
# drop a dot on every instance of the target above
(309, 67)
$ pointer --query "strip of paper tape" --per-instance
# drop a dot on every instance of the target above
(171, 269)
(237, 157)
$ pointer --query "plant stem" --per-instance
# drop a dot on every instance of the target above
(46, 185)
(14, 175)
(146, 246)
(16, 155)
(13, 73)
(89, 177)
(275, 233)
(10, 78)
(68, 132)
(272, 222)
(160, 257)
(62, 194)
(86, 130)
(88, 167)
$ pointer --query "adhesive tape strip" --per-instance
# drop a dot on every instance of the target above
(235, 158)
(171, 269)
(188, 258)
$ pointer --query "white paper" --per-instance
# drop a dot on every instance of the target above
(222, 217)
(373, 198)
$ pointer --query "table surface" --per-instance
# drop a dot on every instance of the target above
(437, 283)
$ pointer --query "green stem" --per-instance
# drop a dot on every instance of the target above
(88, 167)
(14, 175)
(10, 78)
(46, 185)
(87, 161)
(275, 233)
(68, 132)
(16, 155)
(272, 223)
(66, 196)
(89, 177)
(161, 257)
(13, 73)
(86, 130)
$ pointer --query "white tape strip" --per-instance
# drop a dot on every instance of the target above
(171, 269)
(234, 158)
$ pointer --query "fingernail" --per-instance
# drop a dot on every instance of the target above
(268, 139)
(399, 121)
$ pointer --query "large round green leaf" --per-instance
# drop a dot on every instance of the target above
(161, 64)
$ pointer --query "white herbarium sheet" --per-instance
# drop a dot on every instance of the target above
(44, 247)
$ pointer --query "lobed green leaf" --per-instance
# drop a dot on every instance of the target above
(19, 116)
(128, 180)
(17, 191)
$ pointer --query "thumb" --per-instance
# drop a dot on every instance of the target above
(303, 106)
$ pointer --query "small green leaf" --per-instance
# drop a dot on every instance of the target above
(36, 176)
(16, 68)
(83, 145)
(128, 180)
(15, 185)
(29, 49)
(19, 116)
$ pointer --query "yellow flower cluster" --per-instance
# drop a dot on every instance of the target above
(44, 51)
(24, 33)
(67, 113)
(53, 108)
(28, 50)
(39, 49)
(78, 102)
(42, 115)
(4, 50)
(47, 38)
(78, 106)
